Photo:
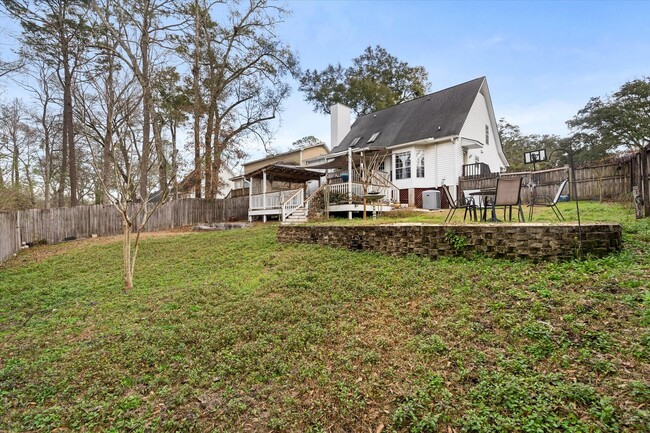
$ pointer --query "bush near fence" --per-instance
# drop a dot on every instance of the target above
(55, 225)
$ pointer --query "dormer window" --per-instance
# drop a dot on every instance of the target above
(355, 142)
(373, 137)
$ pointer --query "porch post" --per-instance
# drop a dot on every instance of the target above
(263, 189)
(349, 180)
(264, 194)
(250, 198)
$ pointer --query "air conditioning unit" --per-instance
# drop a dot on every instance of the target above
(431, 199)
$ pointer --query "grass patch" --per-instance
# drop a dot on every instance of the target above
(230, 331)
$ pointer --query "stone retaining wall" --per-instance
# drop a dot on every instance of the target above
(529, 241)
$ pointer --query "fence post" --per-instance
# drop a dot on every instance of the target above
(19, 242)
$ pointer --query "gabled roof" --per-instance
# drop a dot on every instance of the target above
(437, 115)
(279, 156)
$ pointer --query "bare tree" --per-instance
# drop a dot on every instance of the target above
(56, 32)
(17, 139)
(140, 28)
(366, 171)
(124, 144)
(241, 64)
(42, 85)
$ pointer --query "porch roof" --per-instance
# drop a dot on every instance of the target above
(288, 173)
(340, 159)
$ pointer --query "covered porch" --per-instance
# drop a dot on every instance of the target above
(340, 183)
(277, 190)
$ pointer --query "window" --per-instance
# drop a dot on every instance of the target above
(355, 141)
(419, 163)
(487, 135)
(373, 137)
(382, 166)
(403, 165)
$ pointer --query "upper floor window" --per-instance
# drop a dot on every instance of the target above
(487, 135)
(403, 165)
(419, 163)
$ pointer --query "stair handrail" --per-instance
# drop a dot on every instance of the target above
(297, 199)
(309, 199)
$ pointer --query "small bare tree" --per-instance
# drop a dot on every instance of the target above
(122, 144)
(366, 171)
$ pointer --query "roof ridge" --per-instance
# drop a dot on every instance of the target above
(425, 96)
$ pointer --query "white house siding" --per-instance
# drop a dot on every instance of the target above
(474, 128)
(448, 160)
(442, 164)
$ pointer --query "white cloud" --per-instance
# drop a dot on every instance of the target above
(546, 117)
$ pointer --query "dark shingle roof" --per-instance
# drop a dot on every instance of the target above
(417, 119)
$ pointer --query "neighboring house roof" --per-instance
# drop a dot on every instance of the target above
(189, 182)
(278, 157)
(437, 115)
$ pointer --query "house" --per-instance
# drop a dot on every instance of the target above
(273, 180)
(428, 141)
(187, 186)
(388, 157)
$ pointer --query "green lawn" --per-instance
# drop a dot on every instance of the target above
(230, 332)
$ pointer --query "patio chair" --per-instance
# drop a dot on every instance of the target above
(548, 201)
(476, 195)
(467, 203)
(508, 194)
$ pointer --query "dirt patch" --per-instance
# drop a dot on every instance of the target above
(41, 252)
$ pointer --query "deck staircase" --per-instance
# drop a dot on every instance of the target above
(295, 210)
(297, 216)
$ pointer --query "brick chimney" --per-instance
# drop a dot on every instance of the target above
(339, 123)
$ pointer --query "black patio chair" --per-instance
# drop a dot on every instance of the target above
(466, 203)
(548, 201)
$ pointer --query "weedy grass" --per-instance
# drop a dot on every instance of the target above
(231, 331)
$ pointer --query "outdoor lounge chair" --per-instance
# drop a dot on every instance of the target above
(508, 194)
(467, 203)
(545, 200)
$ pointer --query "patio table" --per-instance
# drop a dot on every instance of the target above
(490, 193)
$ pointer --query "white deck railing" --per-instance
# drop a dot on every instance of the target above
(390, 194)
(271, 200)
(292, 203)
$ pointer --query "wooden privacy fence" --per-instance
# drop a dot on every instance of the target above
(611, 180)
(58, 224)
(546, 182)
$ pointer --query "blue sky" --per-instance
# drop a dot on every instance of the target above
(543, 60)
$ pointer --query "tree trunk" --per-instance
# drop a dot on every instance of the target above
(160, 154)
(126, 255)
(196, 72)
(215, 166)
(644, 181)
(47, 162)
(15, 151)
(172, 131)
(68, 128)
(147, 100)
(108, 137)
(63, 175)
(208, 147)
